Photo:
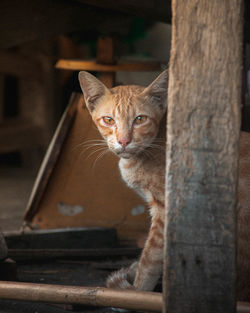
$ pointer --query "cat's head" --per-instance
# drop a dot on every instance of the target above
(128, 117)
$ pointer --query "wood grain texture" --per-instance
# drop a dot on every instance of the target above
(202, 158)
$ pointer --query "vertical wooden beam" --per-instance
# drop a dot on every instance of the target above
(106, 55)
(202, 156)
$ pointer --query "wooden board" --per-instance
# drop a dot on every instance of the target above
(68, 238)
(202, 167)
(87, 65)
(74, 188)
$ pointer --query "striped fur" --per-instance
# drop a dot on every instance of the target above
(141, 149)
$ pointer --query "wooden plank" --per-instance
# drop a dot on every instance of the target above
(64, 238)
(27, 254)
(203, 137)
(51, 157)
(86, 65)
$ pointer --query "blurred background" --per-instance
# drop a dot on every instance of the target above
(34, 36)
(34, 93)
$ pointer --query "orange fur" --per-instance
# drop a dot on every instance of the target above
(142, 166)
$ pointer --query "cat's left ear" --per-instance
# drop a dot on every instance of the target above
(93, 89)
(158, 90)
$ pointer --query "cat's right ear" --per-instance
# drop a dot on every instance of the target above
(92, 89)
(157, 91)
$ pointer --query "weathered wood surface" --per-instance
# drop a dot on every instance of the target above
(203, 137)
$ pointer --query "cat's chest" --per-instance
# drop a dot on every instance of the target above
(133, 172)
(142, 176)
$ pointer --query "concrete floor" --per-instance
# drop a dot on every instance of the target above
(15, 188)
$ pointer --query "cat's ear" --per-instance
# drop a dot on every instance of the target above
(92, 89)
(158, 90)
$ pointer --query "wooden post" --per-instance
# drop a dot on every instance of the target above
(106, 55)
(202, 151)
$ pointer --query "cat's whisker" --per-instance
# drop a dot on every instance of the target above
(86, 147)
(93, 145)
(85, 150)
(148, 154)
(95, 151)
(101, 155)
(91, 141)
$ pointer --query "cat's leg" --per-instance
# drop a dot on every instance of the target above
(143, 275)
(124, 278)
(150, 264)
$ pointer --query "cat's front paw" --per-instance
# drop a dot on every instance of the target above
(122, 279)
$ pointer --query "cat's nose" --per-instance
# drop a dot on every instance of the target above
(124, 142)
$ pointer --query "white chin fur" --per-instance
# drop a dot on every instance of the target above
(124, 155)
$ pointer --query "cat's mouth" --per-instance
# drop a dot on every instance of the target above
(128, 152)
(123, 154)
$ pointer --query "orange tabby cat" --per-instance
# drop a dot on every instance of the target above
(132, 121)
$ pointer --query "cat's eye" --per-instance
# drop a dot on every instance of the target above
(108, 120)
(140, 119)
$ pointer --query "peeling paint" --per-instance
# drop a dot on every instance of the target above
(69, 210)
(138, 210)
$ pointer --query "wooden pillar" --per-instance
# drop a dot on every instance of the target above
(106, 55)
(202, 151)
